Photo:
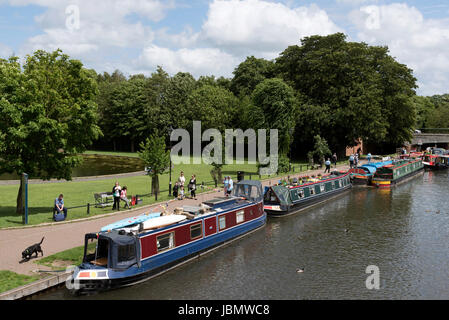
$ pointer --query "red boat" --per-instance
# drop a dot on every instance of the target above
(436, 161)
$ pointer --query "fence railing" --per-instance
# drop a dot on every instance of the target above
(433, 130)
(204, 184)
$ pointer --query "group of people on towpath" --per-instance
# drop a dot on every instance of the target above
(178, 189)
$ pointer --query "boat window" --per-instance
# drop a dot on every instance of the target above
(165, 242)
(301, 193)
(322, 187)
(126, 252)
(196, 231)
(312, 190)
(240, 216)
(222, 222)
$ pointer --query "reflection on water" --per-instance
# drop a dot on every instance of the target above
(403, 231)
(96, 165)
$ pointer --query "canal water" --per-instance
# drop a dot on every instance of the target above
(404, 232)
(98, 165)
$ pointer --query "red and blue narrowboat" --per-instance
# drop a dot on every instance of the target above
(436, 161)
(282, 200)
(138, 251)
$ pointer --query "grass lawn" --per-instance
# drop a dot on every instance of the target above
(10, 280)
(65, 258)
(77, 193)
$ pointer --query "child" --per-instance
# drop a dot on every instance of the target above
(181, 193)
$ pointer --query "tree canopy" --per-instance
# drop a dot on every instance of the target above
(49, 115)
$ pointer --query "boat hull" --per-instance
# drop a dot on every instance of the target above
(308, 203)
(152, 265)
(387, 184)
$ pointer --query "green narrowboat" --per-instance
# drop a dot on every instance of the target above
(282, 200)
(397, 172)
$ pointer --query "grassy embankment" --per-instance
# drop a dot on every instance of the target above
(76, 193)
(10, 280)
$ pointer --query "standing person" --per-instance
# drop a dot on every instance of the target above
(328, 166)
(192, 186)
(368, 156)
(230, 186)
(356, 160)
(226, 185)
(182, 179)
(351, 161)
(175, 190)
(124, 198)
(59, 206)
(116, 193)
(334, 159)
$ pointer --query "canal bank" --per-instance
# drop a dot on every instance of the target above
(402, 231)
(14, 241)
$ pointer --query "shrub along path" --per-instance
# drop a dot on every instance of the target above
(66, 235)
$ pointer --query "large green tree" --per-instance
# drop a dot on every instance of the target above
(348, 91)
(249, 74)
(277, 101)
(48, 117)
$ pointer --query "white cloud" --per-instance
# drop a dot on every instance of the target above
(103, 27)
(250, 26)
(422, 44)
(199, 61)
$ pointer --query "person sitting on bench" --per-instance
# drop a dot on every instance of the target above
(59, 206)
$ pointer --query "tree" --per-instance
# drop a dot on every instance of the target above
(214, 106)
(249, 74)
(155, 156)
(49, 115)
(360, 90)
(321, 149)
(277, 101)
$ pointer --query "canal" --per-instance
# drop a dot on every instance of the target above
(404, 232)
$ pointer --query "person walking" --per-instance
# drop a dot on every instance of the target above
(328, 166)
(334, 159)
(116, 194)
(192, 186)
(351, 161)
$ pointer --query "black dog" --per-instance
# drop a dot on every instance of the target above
(35, 248)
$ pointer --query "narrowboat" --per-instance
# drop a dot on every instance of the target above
(137, 251)
(362, 175)
(436, 161)
(397, 172)
(283, 200)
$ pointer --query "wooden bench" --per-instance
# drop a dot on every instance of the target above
(103, 199)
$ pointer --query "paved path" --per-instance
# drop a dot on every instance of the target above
(89, 178)
(65, 235)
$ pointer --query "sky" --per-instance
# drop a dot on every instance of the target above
(212, 37)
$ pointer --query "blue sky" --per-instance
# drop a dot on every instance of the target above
(211, 37)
